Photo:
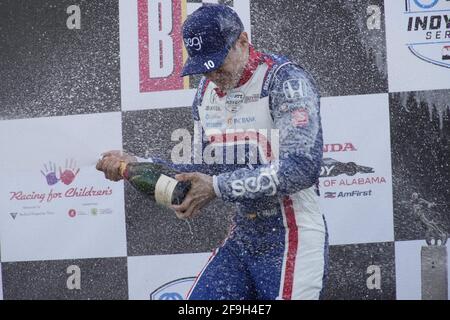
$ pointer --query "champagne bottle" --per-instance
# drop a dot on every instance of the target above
(156, 181)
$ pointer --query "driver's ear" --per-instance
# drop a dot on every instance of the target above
(243, 39)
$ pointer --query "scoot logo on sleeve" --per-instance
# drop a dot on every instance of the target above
(266, 182)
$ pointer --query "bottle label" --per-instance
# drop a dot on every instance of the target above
(164, 189)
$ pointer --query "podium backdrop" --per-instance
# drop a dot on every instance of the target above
(81, 77)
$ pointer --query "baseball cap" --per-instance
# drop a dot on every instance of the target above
(208, 35)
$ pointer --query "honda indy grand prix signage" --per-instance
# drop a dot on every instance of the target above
(152, 53)
(418, 38)
(355, 176)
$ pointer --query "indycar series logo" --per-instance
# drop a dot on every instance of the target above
(427, 30)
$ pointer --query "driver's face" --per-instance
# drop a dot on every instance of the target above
(229, 74)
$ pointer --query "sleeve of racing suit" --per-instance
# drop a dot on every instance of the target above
(196, 163)
(295, 107)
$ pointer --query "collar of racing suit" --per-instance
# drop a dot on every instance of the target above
(254, 60)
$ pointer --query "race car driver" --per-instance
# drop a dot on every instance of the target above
(278, 246)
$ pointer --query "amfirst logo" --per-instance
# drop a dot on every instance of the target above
(352, 194)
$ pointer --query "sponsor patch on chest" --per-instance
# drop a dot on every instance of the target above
(300, 117)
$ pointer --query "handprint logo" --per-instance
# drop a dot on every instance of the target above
(70, 172)
(50, 173)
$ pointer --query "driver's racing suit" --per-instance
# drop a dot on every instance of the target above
(277, 247)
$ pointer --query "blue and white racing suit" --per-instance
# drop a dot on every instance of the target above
(277, 247)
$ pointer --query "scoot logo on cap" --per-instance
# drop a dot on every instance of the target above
(208, 34)
(195, 42)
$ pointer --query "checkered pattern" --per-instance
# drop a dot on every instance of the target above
(392, 120)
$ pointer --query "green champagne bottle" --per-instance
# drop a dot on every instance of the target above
(155, 181)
